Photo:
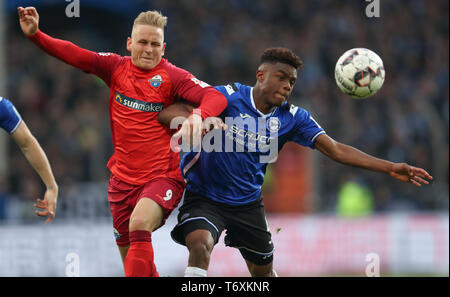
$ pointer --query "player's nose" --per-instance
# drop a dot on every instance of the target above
(287, 86)
(148, 49)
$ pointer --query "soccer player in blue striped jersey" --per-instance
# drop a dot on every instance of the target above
(12, 123)
(224, 178)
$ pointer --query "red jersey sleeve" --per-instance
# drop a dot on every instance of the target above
(100, 64)
(210, 102)
(104, 65)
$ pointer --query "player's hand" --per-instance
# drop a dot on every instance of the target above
(190, 132)
(213, 123)
(406, 173)
(29, 20)
(48, 204)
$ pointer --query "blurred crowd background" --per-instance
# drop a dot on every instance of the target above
(221, 42)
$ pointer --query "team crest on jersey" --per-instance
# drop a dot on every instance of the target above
(273, 124)
(156, 81)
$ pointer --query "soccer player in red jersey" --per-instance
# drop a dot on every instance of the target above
(146, 182)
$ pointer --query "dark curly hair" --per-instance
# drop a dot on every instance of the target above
(282, 55)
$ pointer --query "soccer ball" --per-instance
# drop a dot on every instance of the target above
(359, 73)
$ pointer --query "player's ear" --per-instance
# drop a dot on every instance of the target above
(163, 49)
(129, 44)
(260, 75)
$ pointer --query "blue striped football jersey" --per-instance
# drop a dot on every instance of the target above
(231, 164)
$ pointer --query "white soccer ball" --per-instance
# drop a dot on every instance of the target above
(359, 73)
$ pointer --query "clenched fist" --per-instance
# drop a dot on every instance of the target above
(29, 20)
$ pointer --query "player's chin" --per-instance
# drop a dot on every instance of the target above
(146, 64)
(278, 101)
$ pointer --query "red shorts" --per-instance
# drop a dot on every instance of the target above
(123, 197)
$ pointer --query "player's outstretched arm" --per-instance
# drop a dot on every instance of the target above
(61, 49)
(349, 155)
(38, 160)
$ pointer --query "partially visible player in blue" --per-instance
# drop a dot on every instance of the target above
(12, 123)
(224, 188)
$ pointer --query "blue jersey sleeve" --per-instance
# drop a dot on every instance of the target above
(222, 90)
(229, 89)
(9, 117)
(306, 129)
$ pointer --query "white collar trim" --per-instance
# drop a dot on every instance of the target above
(252, 100)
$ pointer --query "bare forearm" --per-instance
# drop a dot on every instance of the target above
(178, 109)
(38, 160)
(34, 154)
(351, 156)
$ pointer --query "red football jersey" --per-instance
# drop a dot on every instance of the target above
(141, 144)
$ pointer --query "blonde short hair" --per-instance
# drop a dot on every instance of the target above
(152, 18)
